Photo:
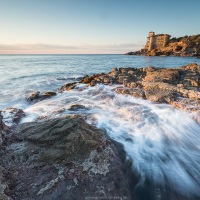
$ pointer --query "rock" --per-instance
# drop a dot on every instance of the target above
(12, 116)
(138, 93)
(68, 86)
(160, 96)
(37, 96)
(87, 80)
(93, 83)
(48, 94)
(3, 130)
(2, 127)
(76, 107)
(63, 158)
(33, 96)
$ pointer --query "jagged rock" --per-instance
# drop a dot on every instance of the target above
(37, 96)
(138, 93)
(93, 83)
(76, 107)
(2, 127)
(160, 96)
(3, 130)
(162, 85)
(63, 158)
(12, 116)
(68, 86)
(33, 96)
(47, 94)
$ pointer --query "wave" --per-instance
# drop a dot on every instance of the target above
(163, 143)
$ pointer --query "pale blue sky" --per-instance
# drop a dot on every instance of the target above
(91, 26)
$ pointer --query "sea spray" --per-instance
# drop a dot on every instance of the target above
(162, 142)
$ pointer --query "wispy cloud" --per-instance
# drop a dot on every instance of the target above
(34, 46)
(52, 48)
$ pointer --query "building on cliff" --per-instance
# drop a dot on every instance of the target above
(156, 41)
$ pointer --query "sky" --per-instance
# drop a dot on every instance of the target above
(91, 26)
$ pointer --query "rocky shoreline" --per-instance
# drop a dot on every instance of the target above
(67, 158)
(179, 87)
(157, 52)
(187, 46)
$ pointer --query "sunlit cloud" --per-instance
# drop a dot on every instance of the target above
(39, 48)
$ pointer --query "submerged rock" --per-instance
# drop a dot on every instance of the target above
(63, 158)
(33, 96)
(76, 107)
(37, 96)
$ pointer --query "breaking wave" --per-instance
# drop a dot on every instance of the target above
(163, 143)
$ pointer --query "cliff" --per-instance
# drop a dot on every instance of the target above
(182, 46)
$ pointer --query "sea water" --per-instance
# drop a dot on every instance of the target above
(162, 143)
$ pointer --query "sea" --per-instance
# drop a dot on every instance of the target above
(161, 142)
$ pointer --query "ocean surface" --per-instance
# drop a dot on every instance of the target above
(162, 143)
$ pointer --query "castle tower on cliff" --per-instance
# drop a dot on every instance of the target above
(156, 41)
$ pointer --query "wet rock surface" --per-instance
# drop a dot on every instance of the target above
(76, 107)
(37, 96)
(159, 85)
(63, 158)
(68, 86)
(12, 116)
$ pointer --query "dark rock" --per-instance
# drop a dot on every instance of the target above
(68, 86)
(2, 128)
(58, 159)
(12, 116)
(87, 80)
(93, 83)
(76, 107)
(33, 96)
(37, 96)
(47, 95)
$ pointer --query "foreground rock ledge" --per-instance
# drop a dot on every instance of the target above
(63, 158)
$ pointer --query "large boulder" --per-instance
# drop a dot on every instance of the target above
(63, 158)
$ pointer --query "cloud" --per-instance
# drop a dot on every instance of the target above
(115, 46)
(52, 48)
(35, 46)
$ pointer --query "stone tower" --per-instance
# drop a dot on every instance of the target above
(151, 40)
(156, 41)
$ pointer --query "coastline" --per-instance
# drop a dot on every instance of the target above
(41, 152)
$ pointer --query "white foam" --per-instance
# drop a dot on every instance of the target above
(163, 143)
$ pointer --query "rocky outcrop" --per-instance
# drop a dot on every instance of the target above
(63, 158)
(37, 96)
(159, 85)
(183, 46)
